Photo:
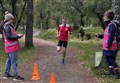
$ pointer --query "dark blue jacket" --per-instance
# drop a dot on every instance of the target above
(7, 30)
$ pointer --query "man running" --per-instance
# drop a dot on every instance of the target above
(63, 31)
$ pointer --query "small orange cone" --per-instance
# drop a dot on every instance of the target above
(52, 80)
(35, 75)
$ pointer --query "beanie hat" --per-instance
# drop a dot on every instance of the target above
(109, 15)
(8, 16)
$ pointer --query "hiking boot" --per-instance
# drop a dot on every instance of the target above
(109, 72)
(19, 79)
(7, 76)
(63, 61)
(116, 76)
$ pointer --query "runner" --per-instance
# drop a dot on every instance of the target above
(63, 31)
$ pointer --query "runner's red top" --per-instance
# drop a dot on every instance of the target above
(63, 32)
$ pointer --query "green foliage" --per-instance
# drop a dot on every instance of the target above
(93, 30)
(48, 34)
(72, 9)
(88, 36)
(2, 56)
(75, 34)
(75, 27)
(92, 8)
(89, 33)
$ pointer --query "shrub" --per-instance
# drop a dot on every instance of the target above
(48, 34)
(88, 36)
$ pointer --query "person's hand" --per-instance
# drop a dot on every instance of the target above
(57, 36)
(96, 35)
(70, 33)
(107, 49)
(20, 35)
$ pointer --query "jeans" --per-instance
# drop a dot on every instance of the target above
(12, 61)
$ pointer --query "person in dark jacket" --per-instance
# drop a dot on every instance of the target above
(82, 33)
(110, 43)
(11, 48)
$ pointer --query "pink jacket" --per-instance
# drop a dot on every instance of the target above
(11, 45)
(105, 39)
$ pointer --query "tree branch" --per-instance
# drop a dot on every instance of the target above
(18, 23)
(3, 8)
(100, 18)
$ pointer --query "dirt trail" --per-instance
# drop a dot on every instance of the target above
(48, 61)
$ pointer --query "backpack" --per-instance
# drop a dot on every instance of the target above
(118, 34)
(117, 24)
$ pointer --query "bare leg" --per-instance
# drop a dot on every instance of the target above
(58, 48)
(64, 52)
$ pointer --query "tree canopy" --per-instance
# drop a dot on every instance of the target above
(48, 13)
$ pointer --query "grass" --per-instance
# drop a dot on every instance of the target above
(86, 55)
(87, 49)
(24, 54)
(2, 56)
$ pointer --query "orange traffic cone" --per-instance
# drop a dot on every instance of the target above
(52, 80)
(35, 75)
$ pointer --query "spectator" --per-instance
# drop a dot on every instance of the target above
(82, 33)
(110, 43)
(11, 47)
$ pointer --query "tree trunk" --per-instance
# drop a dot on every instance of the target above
(29, 25)
(116, 9)
(57, 21)
(40, 21)
(81, 20)
(13, 3)
(47, 20)
(2, 6)
(40, 16)
(100, 19)
(18, 23)
(1, 29)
